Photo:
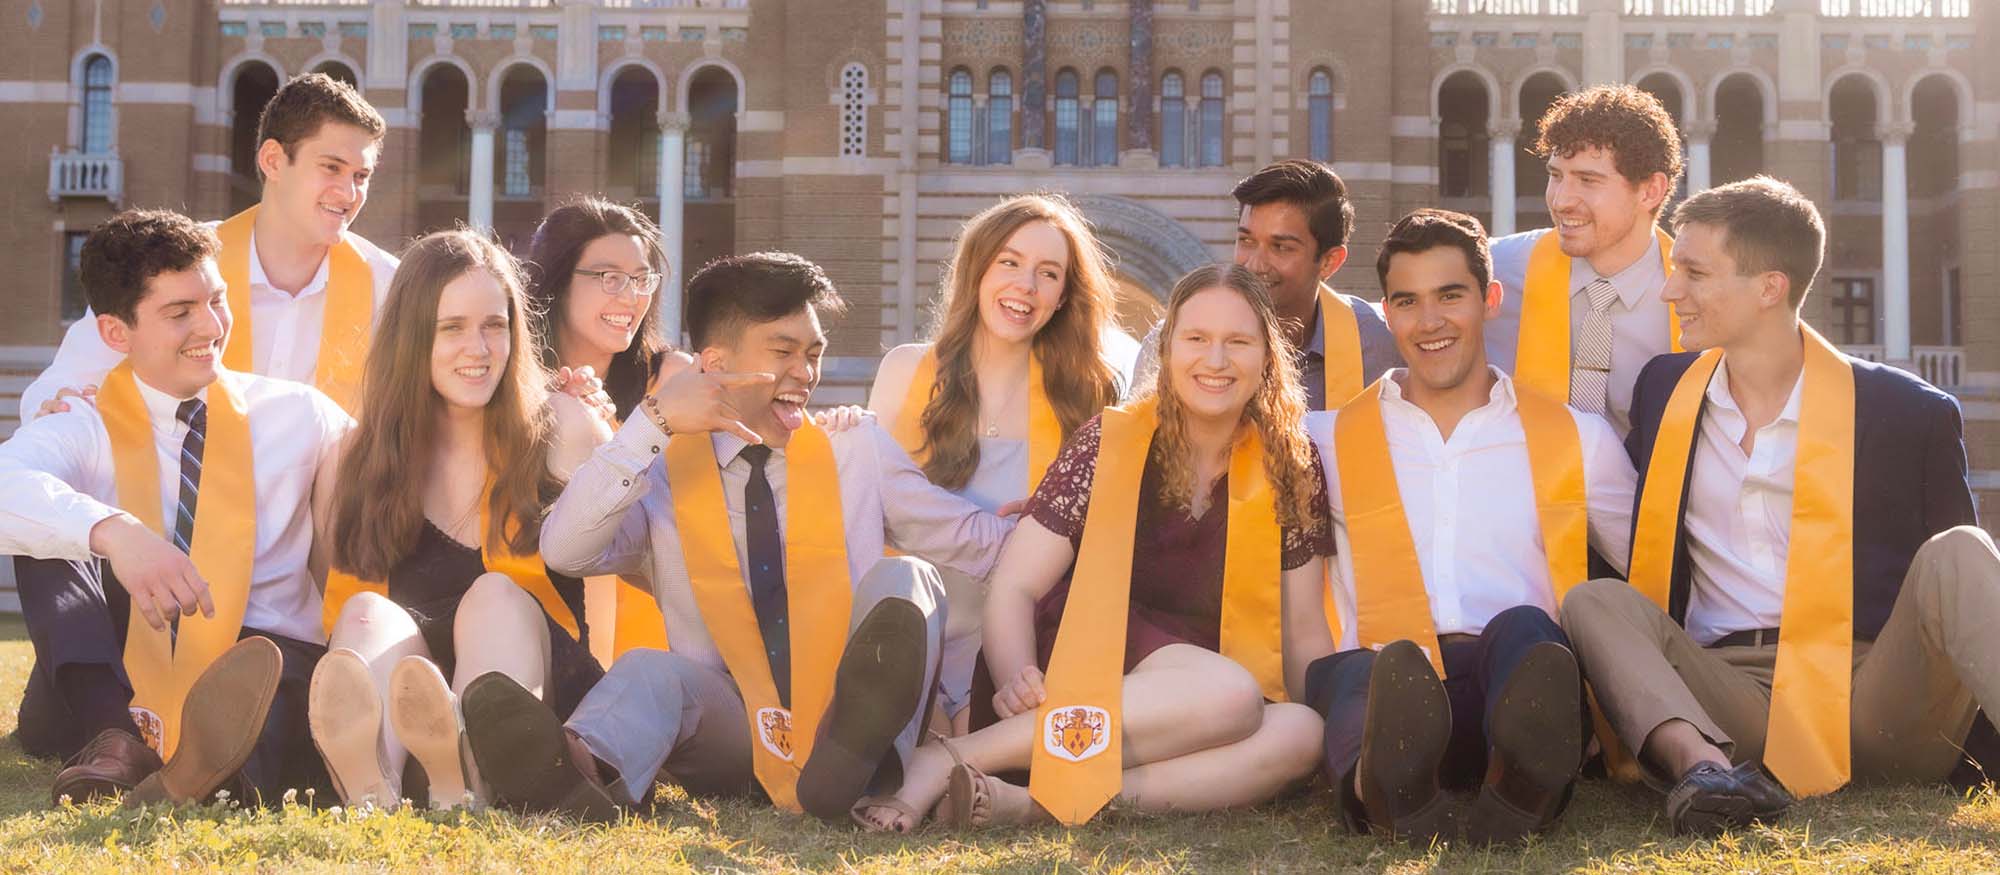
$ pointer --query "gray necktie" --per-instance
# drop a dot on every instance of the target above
(1590, 365)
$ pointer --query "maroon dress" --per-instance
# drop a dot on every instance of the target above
(1176, 559)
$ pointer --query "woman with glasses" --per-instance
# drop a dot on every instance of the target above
(595, 272)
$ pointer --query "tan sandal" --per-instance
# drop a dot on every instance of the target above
(890, 802)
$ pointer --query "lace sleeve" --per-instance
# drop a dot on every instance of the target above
(1063, 499)
(1316, 539)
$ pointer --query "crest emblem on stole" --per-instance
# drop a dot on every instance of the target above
(774, 731)
(152, 730)
(1077, 732)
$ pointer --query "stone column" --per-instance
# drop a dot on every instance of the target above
(1501, 184)
(479, 200)
(1896, 241)
(1034, 72)
(1139, 71)
(673, 192)
(1700, 175)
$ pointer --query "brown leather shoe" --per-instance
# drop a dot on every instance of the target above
(1403, 741)
(1537, 748)
(524, 753)
(112, 763)
(221, 719)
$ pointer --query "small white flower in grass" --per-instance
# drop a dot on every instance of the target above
(468, 800)
(335, 811)
(222, 795)
(292, 795)
(64, 800)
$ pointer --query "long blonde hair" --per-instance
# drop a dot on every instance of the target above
(1277, 409)
(1075, 377)
(379, 511)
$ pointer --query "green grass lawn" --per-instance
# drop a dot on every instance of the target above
(1609, 829)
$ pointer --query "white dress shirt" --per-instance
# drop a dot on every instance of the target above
(1639, 319)
(1739, 516)
(616, 516)
(1470, 502)
(61, 481)
(284, 337)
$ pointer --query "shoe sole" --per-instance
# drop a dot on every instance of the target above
(425, 716)
(518, 745)
(876, 692)
(1714, 815)
(1538, 731)
(1407, 707)
(345, 712)
(222, 717)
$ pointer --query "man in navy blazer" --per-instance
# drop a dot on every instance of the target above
(1689, 687)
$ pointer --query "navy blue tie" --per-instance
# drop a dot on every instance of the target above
(195, 414)
(766, 549)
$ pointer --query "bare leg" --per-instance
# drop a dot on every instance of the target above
(381, 633)
(499, 627)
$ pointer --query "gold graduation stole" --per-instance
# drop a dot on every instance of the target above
(1343, 358)
(343, 334)
(1807, 742)
(819, 595)
(1542, 349)
(161, 665)
(1045, 435)
(527, 572)
(1077, 764)
(1390, 601)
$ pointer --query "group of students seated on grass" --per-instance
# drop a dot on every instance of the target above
(1587, 496)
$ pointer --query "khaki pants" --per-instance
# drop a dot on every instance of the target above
(1917, 687)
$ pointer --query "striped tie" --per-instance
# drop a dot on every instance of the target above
(1590, 369)
(195, 414)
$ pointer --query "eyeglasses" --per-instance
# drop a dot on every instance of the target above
(616, 282)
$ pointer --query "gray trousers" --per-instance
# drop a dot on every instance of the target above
(659, 715)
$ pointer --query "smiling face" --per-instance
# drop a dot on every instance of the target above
(1216, 355)
(323, 184)
(180, 326)
(1717, 304)
(1437, 312)
(1594, 206)
(473, 340)
(1275, 241)
(790, 347)
(596, 324)
(1023, 286)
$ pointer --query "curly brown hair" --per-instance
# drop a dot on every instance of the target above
(1631, 123)
(122, 255)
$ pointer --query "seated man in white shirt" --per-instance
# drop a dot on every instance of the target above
(303, 287)
(801, 656)
(1464, 505)
(160, 525)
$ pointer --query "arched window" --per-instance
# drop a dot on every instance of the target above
(1319, 115)
(958, 118)
(1211, 119)
(1173, 120)
(97, 105)
(1066, 117)
(853, 111)
(1104, 120)
(1000, 117)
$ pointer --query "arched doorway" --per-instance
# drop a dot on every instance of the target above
(520, 163)
(1937, 314)
(1737, 152)
(633, 144)
(1464, 107)
(444, 148)
(255, 83)
(709, 211)
(1531, 173)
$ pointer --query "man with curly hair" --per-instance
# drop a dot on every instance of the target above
(1582, 312)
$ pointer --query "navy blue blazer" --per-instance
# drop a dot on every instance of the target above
(1909, 477)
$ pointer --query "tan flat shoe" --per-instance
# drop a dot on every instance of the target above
(425, 715)
(345, 712)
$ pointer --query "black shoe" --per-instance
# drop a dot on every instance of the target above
(876, 692)
(1711, 799)
(1403, 741)
(1537, 747)
(523, 754)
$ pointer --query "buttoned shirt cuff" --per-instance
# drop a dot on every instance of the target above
(638, 443)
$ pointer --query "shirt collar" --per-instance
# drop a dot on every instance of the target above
(258, 280)
(1718, 394)
(161, 408)
(1633, 282)
(1501, 396)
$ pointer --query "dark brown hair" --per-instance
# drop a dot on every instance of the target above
(1624, 119)
(1767, 225)
(1428, 229)
(1312, 187)
(378, 512)
(1277, 410)
(1070, 347)
(123, 254)
(308, 101)
(729, 293)
(552, 257)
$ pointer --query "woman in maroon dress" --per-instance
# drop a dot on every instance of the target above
(1198, 731)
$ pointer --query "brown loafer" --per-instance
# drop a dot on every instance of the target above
(1537, 748)
(112, 763)
(877, 690)
(221, 719)
(523, 753)
(1403, 742)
